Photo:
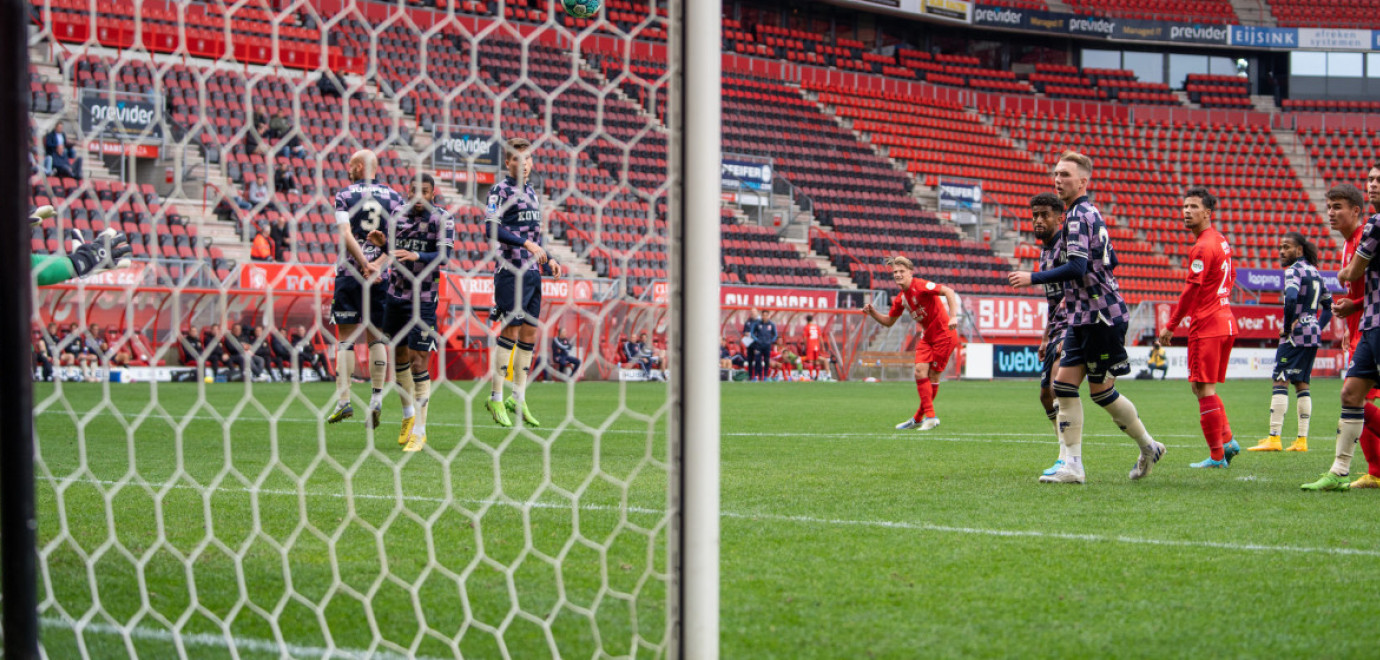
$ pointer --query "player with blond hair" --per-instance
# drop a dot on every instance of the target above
(937, 327)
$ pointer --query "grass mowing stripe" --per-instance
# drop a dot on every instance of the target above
(885, 524)
(221, 641)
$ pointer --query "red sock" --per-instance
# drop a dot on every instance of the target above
(1370, 441)
(925, 389)
(934, 390)
(1226, 424)
(1209, 418)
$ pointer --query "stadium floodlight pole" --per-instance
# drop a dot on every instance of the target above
(17, 522)
(695, 107)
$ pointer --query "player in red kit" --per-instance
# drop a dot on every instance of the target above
(1206, 301)
(812, 347)
(938, 338)
(1349, 209)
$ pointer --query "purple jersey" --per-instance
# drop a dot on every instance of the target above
(1051, 257)
(428, 231)
(1367, 249)
(1310, 296)
(518, 211)
(1095, 297)
(366, 206)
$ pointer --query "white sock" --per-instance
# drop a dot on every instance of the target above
(1123, 412)
(1348, 431)
(1279, 404)
(498, 368)
(422, 390)
(378, 371)
(402, 379)
(522, 365)
(1305, 406)
(344, 366)
(1071, 420)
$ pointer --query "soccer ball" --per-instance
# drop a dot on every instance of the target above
(582, 8)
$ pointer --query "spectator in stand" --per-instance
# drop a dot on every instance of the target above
(256, 141)
(282, 242)
(81, 355)
(279, 126)
(646, 348)
(216, 350)
(43, 356)
(637, 358)
(66, 360)
(60, 157)
(563, 355)
(308, 356)
(274, 352)
(239, 354)
(330, 85)
(261, 249)
(258, 191)
(285, 180)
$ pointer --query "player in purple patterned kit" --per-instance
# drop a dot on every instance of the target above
(1095, 343)
(362, 207)
(1307, 310)
(1047, 219)
(514, 220)
(423, 235)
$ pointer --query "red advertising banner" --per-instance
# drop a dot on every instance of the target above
(1008, 317)
(762, 296)
(480, 290)
(287, 277)
(122, 277)
(1252, 322)
(123, 149)
(461, 176)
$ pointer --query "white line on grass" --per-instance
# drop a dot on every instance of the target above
(887, 524)
(251, 644)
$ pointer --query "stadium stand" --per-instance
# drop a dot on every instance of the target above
(1349, 14)
(1219, 11)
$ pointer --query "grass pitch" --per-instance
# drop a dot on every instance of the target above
(841, 537)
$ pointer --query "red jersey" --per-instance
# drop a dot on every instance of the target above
(812, 336)
(922, 300)
(1354, 290)
(1207, 299)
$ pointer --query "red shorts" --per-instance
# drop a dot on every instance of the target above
(1208, 358)
(812, 352)
(936, 352)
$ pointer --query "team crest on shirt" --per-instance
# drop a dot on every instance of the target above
(929, 285)
(1073, 226)
(1197, 266)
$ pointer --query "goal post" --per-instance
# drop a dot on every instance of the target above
(695, 263)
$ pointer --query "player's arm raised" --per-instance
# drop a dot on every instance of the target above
(887, 321)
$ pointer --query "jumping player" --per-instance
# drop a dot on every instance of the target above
(1307, 310)
(1206, 301)
(812, 347)
(514, 220)
(1094, 344)
(938, 336)
(423, 236)
(362, 207)
(1047, 216)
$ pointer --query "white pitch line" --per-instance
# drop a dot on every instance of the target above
(250, 644)
(886, 524)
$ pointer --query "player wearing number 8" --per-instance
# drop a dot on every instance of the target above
(1206, 301)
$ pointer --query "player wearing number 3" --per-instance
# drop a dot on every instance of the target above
(1212, 328)
(362, 207)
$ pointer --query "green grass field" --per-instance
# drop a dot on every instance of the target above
(841, 537)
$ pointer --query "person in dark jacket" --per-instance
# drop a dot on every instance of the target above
(59, 156)
(563, 355)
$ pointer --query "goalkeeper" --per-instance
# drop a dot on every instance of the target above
(108, 251)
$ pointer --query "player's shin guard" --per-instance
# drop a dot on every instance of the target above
(1279, 404)
(1070, 421)
(1209, 418)
(1123, 412)
(378, 371)
(522, 367)
(926, 392)
(1348, 432)
(421, 389)
(1305, 410)
(498, 368)
(344, 368)
(402, 375)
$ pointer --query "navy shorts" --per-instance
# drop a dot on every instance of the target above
(1294, 364)
(1099, 348)
(516, 304)
(421, 329)
(1051, 359)
(348, 306)
(1364, 359)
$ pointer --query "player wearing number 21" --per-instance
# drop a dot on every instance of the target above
(362, 207)
(1206, 301)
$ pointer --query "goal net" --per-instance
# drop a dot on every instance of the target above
(192, 499)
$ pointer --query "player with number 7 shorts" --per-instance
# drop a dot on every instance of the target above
(1206, 301)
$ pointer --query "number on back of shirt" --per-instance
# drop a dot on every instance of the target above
(369, 215)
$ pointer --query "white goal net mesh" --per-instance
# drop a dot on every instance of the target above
(192, 499)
